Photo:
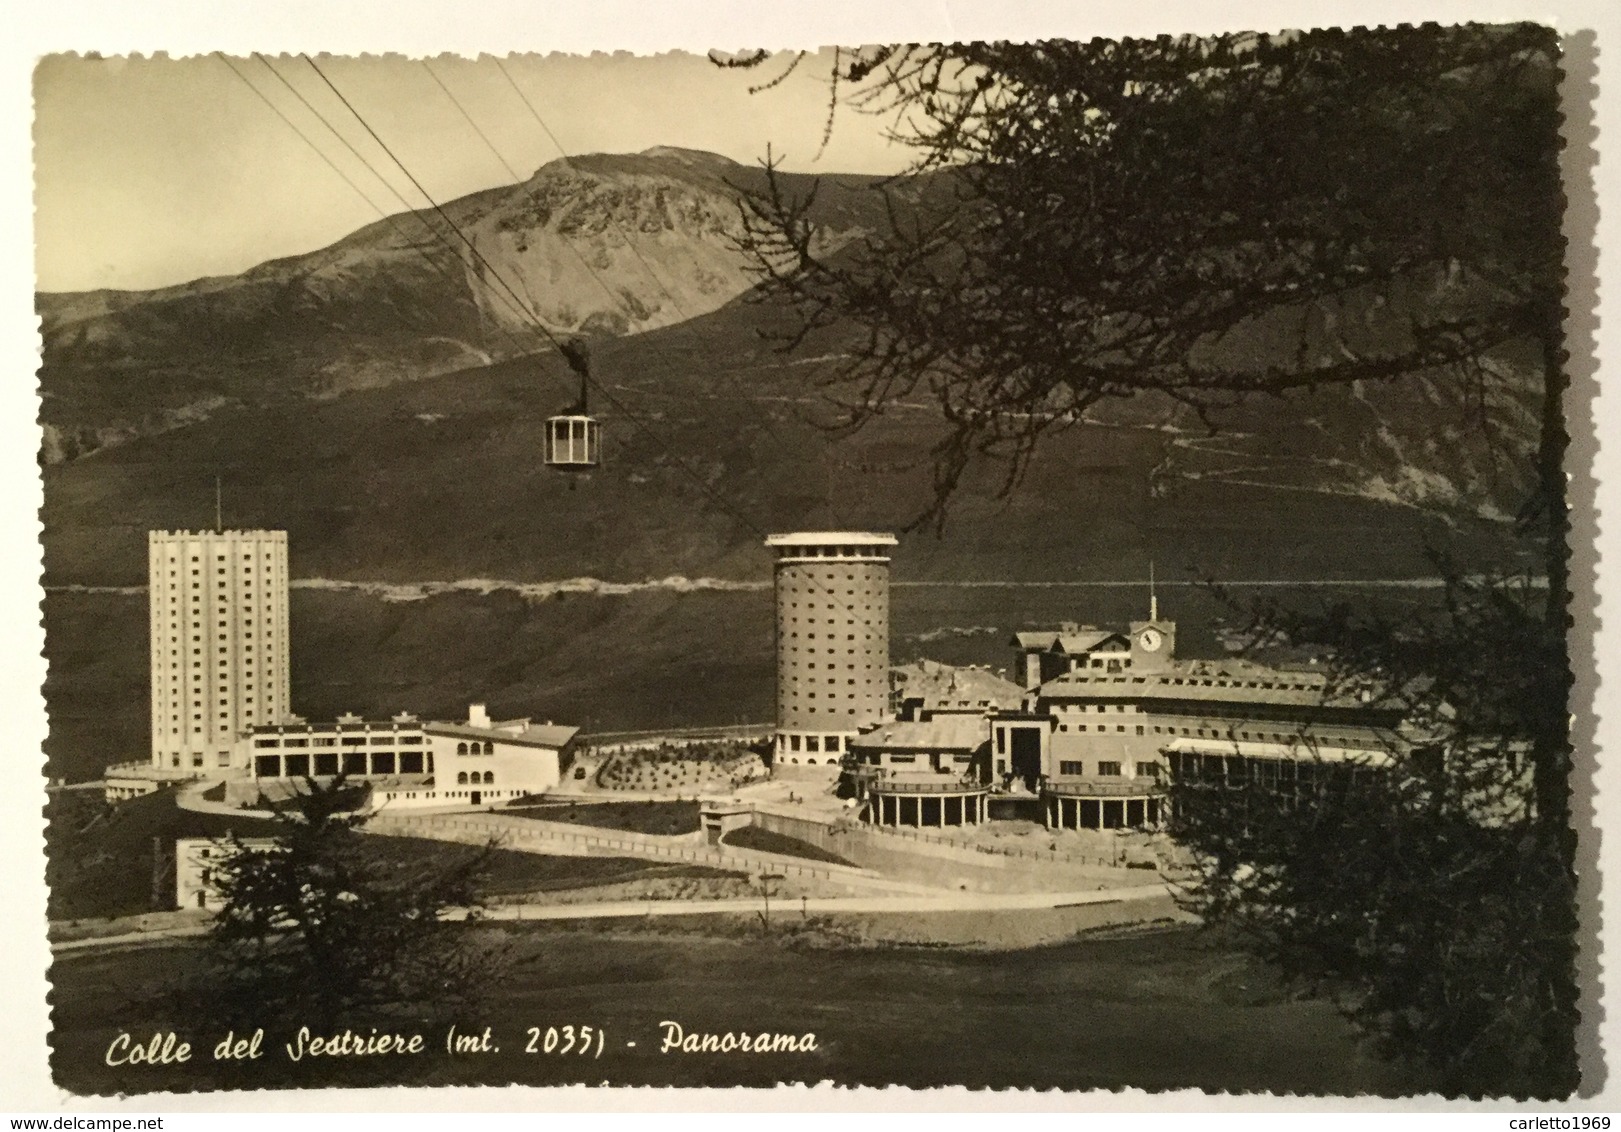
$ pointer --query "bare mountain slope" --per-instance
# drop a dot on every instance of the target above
(602, 244)
(640, 248)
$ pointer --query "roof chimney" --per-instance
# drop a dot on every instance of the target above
(477, 716)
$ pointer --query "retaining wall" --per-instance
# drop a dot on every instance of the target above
(563, 839)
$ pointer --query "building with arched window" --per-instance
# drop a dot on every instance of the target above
(488, 761)
(406, 761)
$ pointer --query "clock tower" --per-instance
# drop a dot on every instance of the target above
(1153, 642)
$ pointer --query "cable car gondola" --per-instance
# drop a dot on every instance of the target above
(574, 437)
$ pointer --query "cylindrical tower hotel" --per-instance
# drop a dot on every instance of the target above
(832, 640)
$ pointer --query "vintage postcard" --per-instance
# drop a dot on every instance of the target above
(1017, 565)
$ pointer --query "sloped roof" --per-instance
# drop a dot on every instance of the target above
(946, 686)
(1227, 681)
(1306, 749)
(1072, 643)
(1034, 639)
(1068, 641)
(534, 735)
(942, 733)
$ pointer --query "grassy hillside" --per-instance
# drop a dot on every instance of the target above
(711, 442)
(605, 663)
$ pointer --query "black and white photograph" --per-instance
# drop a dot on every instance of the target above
(1015, 564)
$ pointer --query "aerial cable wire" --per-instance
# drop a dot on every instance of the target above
(410, 241)
(437, 208)
(616, 299)
(519, 348)
(703, 485)
(277, 111)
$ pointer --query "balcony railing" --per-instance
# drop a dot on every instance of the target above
(942, 784)
(1093, 788)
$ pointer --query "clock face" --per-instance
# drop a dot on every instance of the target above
(1150, 640)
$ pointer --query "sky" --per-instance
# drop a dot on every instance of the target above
(151, 171)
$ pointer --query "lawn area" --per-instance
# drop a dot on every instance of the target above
(1155, 1011)
(765, 841)
(513, 873)
(662, 818)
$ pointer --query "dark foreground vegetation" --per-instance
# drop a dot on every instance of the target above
(1155, 1011)
(100, 857)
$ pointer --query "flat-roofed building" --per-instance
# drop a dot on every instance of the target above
(406, 761)
(832, 624)
(219, 642)
(197, 868)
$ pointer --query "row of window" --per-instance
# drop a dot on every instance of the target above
(332, 741)
(350, 762)
(872, 653)
(1218, 682)
(1278, 772)
(223, 758)
(1106, 769)
(892, 757)
(1229, 734)
(247, 567)
(815, 742)
(464, 779)
(831, 552)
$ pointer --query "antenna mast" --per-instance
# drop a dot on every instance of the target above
(219, 524)
(1153, 598)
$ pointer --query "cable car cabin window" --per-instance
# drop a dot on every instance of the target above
(573, 442)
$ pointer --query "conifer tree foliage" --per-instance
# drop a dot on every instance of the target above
(1416, 887)
(1237, 217)
(325, 925)
(1205, 218)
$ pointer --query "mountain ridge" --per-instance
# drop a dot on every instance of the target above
(600, 245)
(633, 247)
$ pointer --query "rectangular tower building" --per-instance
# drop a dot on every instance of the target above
(220, 648)
(832, 590)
